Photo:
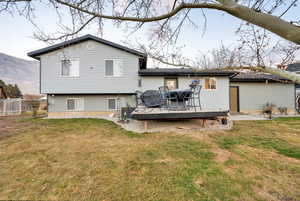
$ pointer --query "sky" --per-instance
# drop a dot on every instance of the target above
(16, 35)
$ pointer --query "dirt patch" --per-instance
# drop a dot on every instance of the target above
(168, 160)
(179, 126)
(264, 194)
(12, 125)
(222, 155)
(199, 182)
(272, 195)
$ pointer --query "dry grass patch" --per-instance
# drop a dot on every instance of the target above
(93, 159)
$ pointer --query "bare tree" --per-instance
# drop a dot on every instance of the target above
(254, 51)
(255, 48)
(167, 14)
(258, 48)
(167, 17)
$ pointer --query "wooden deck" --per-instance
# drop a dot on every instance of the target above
(157, 114)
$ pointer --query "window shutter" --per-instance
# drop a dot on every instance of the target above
(206, 83)
(118, 67)
(80, 104)
(118, 105)
(75, 68)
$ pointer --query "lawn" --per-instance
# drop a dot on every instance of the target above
(93, 159)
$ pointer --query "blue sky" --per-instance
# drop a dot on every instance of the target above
(16, 35)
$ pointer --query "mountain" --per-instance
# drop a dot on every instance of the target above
(19, 71)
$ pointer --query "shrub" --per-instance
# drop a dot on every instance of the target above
(34, 107)
(268, 109)
(282, 110)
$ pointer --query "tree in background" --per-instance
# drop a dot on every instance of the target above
(12, 91)
(253, 48)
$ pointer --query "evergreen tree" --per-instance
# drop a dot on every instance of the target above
(17, 92)
(12, 91)
(2, 83)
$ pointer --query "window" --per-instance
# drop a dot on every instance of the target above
(113, 67)
(210, 83)
(140, 82)
(171, 83)
(113, 104)
(70, 67)
(75, 104)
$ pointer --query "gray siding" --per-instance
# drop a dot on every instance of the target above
(254, 95)
(92, 103)
(91, 78)
(210, 99)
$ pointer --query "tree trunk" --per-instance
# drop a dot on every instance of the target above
(272, 23)
(274, 71)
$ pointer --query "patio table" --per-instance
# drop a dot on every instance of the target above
(180, 94)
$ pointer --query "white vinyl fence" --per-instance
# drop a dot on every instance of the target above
(10, 106)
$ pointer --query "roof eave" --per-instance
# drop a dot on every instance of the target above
(259, 80)
(35, 54)
(184, 74)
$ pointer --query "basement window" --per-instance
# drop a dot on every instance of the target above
(75, 104)
(113, 103)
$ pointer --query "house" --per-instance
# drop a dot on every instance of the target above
(88, 76)
(2, 93)
(295, 67)
(250, 91)
(91, 76)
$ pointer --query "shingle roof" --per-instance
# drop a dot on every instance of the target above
(39, 52)
(183, 72)
(257, 77)
(293, 67)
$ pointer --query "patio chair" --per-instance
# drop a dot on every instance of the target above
(196, 96)
(166, 98)
(188, 99)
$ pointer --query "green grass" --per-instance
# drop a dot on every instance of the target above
(261, 136)
(93, 159)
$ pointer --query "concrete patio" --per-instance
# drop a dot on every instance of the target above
(249, 117)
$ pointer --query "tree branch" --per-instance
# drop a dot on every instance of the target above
(147, 19)
(67, 34)
(267, 21)
(272, 23)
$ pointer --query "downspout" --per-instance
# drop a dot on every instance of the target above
(295, 99)
(40, 77)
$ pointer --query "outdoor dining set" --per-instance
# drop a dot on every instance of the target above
(166, 99)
